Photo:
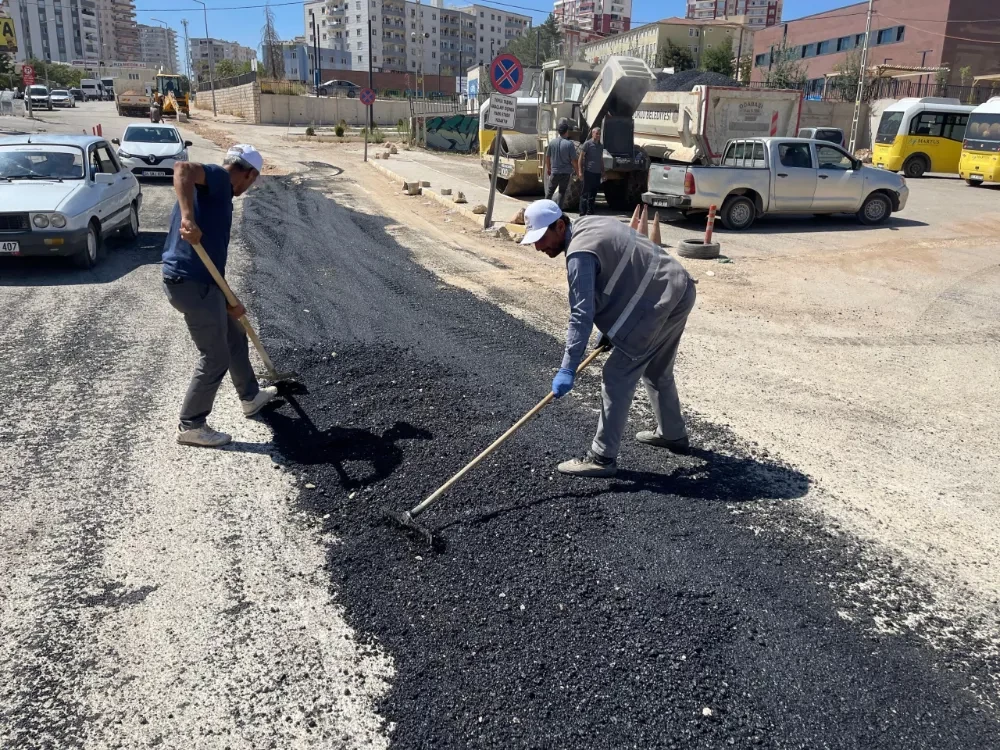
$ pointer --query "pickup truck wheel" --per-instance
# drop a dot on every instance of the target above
(738, 213)
(698, 249)
(915, 167)
(875, 210)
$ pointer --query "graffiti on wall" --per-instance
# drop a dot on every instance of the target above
(453, 133)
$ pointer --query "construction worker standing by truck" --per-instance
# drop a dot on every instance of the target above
(560, 160)
(639, 297)
(590, 170)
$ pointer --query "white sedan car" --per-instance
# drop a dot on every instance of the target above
(64, 195)
(152, 150)
(62, 98)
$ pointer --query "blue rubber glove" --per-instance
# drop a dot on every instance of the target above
(562, 383)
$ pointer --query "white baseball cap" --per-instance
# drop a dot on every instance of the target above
(538, 217)
(247, 153)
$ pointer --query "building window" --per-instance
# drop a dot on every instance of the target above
(845, 43)
(760, 60)
(434, 55)
(859, 40)
(825, 48)
(808, 50)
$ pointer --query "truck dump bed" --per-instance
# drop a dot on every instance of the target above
(623, 84)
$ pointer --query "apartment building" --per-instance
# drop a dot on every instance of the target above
(646, 41)
(119, 31)
(413, 37)
(588, 20)
(757, 14)
(158, 47)
(65, 31)
(204, 49)
(948, 33)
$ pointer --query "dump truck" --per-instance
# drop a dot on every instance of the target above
(592, 95)
(169, 98)
(517, 171)
(692, 127)
(134, 92)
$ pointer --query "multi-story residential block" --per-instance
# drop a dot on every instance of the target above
(646, 41)
(158, 47)
(757, 14)
(588, 20)
(119, 32)
(66, 32)
(413, 37)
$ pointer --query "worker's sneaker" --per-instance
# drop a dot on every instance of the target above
(261, 400)
(590, 465)
(649, 437)
(204, 436)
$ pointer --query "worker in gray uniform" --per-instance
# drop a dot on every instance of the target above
(639, 297)
(560, 163)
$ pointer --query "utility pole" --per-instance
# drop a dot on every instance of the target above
(316, 66)
(187, 50)
(861, 78)
(211, 57)
(538, 43)
(371, 109)
(923, 79)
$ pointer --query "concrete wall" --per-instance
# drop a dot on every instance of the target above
(280, 109)
(242, 101)
(838, 115)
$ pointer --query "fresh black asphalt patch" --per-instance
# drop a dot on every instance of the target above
(687, 603)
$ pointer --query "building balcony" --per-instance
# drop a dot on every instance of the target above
(394, 12)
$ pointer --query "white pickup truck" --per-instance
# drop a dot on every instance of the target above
(761, 176)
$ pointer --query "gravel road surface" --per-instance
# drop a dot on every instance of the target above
(154, 596)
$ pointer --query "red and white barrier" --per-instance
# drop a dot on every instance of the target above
(711, 224)
(96, 130)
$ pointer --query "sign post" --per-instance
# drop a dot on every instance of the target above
(367, 97)
(28, 76)
(506, 75)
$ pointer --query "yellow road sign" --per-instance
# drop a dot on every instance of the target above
(8, 37)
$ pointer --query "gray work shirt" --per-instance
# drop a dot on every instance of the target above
(562, 155)
(593, 157)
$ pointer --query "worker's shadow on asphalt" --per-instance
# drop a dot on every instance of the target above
(120, 258)
(301, 441)
(703, 475)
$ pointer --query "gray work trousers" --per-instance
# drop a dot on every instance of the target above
(558, 182)
(621, 376)
(222, 343)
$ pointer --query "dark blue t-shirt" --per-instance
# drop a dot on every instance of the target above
(213, 213)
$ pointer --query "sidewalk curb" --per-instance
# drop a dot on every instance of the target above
(514, 231)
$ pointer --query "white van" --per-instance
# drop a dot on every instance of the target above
(92, 89)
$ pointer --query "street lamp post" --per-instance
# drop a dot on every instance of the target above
(211, 57)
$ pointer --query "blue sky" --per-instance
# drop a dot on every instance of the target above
(244, 25)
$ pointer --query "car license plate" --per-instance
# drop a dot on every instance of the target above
(153, 173)
(9, 248)
(976, 177)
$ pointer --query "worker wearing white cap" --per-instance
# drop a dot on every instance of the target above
(204, 213)
(639, 297)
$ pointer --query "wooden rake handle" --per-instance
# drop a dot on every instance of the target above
(233, 301)
(499, 441)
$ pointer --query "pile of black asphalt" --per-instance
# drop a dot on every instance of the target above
(689, 602)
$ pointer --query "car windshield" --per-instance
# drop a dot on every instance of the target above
(60, 92)
(147, 134)
(40, 162)
(37, 90)
(983, 133)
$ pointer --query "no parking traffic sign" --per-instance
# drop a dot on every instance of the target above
(506, 74)
(367, 97)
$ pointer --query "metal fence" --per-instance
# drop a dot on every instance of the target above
(228, 83)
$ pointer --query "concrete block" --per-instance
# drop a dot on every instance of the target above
(460, 197)
(411, 188)
(425, 183)
(445, 191)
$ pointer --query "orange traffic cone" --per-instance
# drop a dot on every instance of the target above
(654, 234)
(644, 221)
(635, 218)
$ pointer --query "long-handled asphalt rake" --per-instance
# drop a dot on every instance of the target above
(407, 519)
(233, 301)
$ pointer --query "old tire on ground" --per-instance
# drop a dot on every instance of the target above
(875, 210)
(738, 213)
(130, 231)
(916, 166)
(698, 249)
(89, 255)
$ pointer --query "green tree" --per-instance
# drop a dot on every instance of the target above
(6, 72)
(746, 68)
(674, 56)
(719, 59)
(845, 84)
(59, 76)
(230, 69)
(548, 37)
(785, 70)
